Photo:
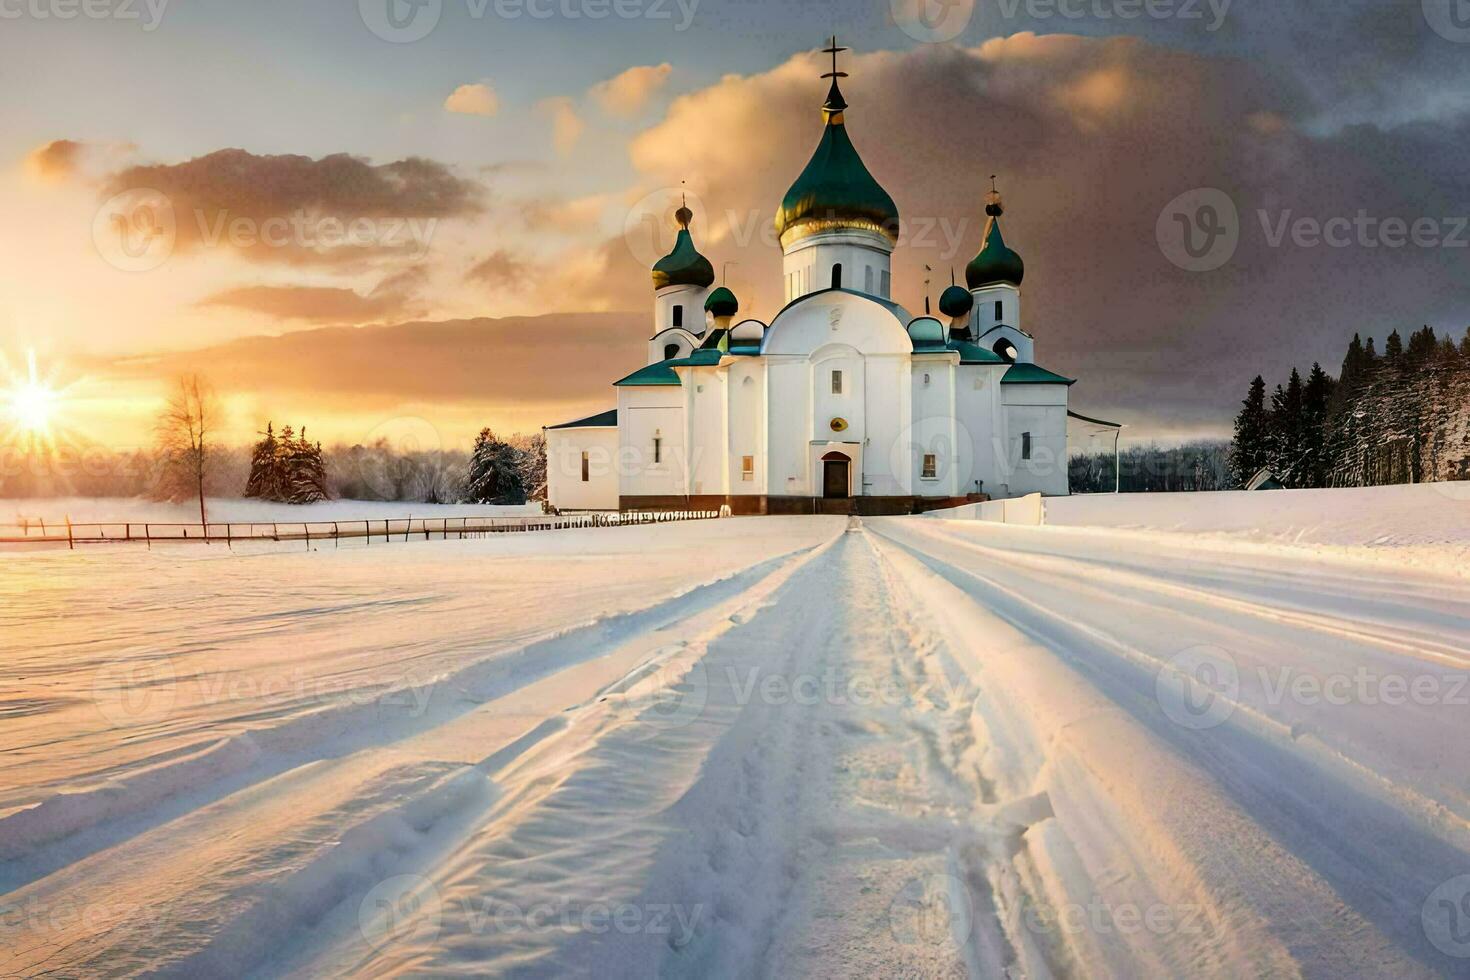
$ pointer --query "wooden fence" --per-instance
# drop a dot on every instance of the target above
(387, 530)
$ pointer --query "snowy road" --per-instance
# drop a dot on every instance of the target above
(797, 747)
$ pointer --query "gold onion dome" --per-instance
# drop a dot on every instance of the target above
(683, 266)
(996, 262)
(835, 191)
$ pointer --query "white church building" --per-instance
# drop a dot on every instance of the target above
(843, 402)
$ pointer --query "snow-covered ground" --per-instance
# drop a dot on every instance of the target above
(748, 747)
(1427, 525)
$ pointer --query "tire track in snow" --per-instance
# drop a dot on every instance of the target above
(1342, 874)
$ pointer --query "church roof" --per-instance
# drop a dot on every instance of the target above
(683, 266)
(602, 420)
(1031, 374)
(835, 191)
(997, 262)
(722, 302)
(974, 353)
(663, 373)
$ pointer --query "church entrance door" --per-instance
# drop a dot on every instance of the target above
(835, 476)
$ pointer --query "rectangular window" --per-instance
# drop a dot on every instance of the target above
(868, 279)
(747, 467)
(931, 467)
(678, 315)
(884, 284)
(999, 311)
(836, 382)
(1025, 445)
(658, 450)
(926, 380)
(586, 469)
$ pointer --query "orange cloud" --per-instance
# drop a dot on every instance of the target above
(627, 93)
(56, 160)
(477, 99)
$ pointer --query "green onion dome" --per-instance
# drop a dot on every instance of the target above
(996, 261)
(835, 191)
(684, 266)
(956, 301)
(721, 302)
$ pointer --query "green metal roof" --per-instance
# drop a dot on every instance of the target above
(836, 189)
(956, 301)
(602, 420)
(974, 353)
(927, 335)
(663, 372)
(684, 266)
(1031, 374)
(996, 262)
(654, 374)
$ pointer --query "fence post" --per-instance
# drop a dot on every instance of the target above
(306, 529)
(336, 536)
(148, 535)
(71, 544)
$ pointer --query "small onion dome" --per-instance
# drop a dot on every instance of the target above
(835, 191)
(996, 262)
(684, 266)
(722, 302)
(956, 301)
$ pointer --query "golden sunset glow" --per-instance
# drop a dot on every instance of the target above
(31, 403)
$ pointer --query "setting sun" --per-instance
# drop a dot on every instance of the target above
(30, 401)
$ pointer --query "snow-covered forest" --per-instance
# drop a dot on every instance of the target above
(379, 470)
(1402, 416)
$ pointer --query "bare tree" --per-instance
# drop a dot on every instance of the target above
(185, 434)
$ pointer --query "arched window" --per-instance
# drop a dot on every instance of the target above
(837, 276)
(671, 351)
(1006, 350)
(678, 315)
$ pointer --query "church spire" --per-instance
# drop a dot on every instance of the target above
(832, 108)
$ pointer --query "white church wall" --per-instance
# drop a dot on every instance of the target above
(683, 339)
(984, 316)
(1025, 347)
(565, 488)
(864, 257)
(889, 410)
(690, 313)
(935, 427)
(787, 426)
(705, 408)
(745, 394)
(1041, 411)
(646, 414)
(982, 438)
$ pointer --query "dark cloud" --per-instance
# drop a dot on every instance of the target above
(395, 297)
(501, 271)
(292, 209)
(542, 361)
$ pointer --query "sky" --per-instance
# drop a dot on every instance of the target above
(361, 214)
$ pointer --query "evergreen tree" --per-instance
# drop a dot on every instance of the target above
(1422, 347)
(1393, 349)
(267, 480)
(1316, 394)
(1248, 452)
(494, 472)
(287, 469)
